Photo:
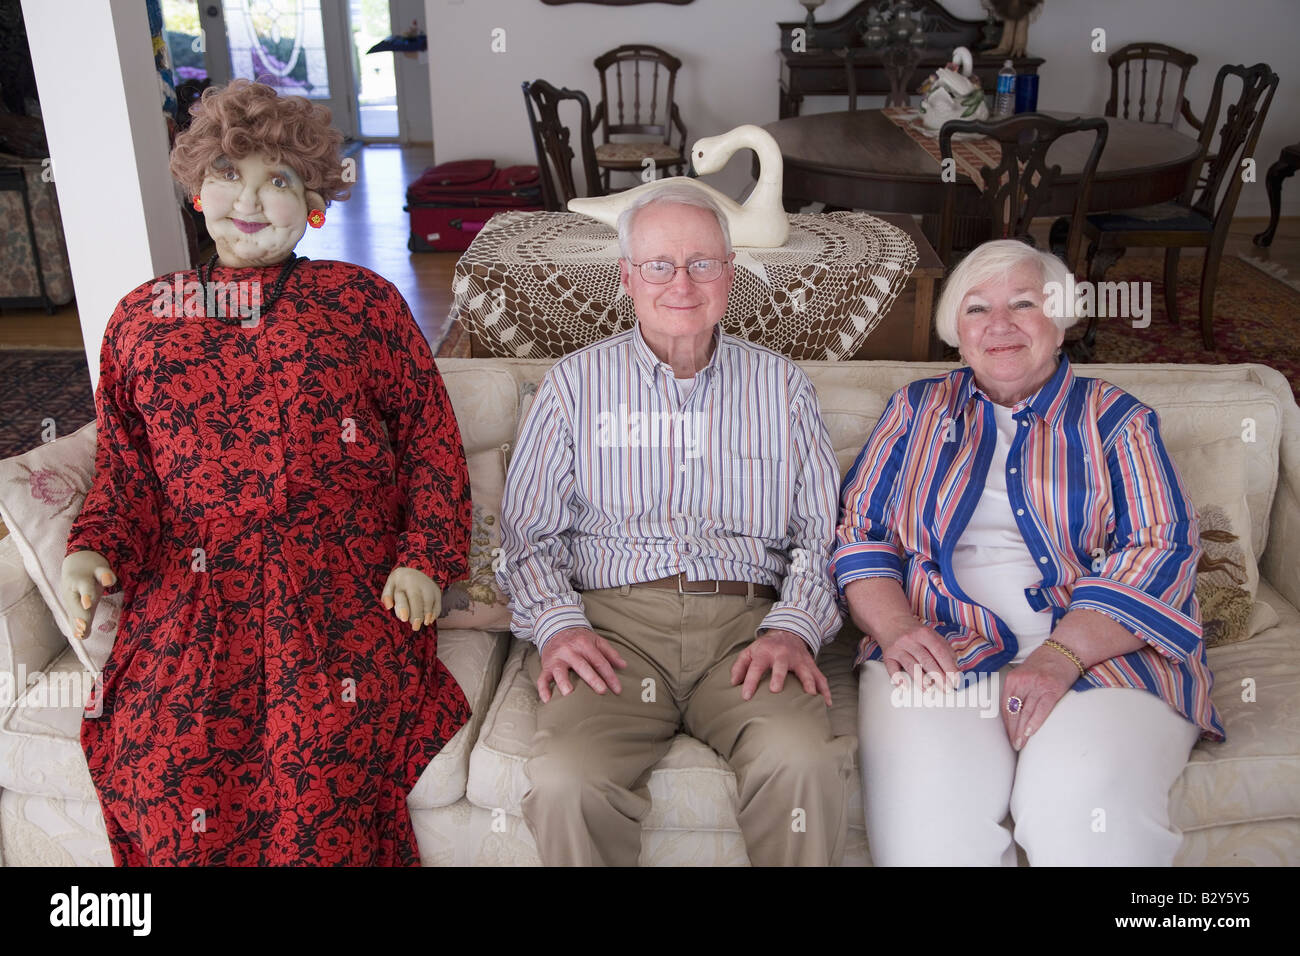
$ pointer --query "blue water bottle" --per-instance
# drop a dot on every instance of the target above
(1005, 103)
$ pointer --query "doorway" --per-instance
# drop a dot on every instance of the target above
(376, 85)
(300, 47)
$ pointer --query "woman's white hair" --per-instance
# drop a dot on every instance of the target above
(678, 193)
(997, 258)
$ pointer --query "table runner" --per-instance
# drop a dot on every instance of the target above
(543, 284)
(969, 151)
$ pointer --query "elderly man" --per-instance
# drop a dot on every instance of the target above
(666, 530)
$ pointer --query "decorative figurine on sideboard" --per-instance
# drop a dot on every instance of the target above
(896, 32)
(1015, 15)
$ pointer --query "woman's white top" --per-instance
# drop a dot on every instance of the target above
(992, 564)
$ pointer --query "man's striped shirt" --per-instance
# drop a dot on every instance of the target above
(617, 479)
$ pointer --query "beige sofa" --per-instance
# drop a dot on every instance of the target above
(1237, 802)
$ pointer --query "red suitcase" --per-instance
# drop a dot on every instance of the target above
(451, 202)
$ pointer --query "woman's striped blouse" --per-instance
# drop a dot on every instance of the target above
(1096, 498)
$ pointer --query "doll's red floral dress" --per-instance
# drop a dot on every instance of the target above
(254, 486)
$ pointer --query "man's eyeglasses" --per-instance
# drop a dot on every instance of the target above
(661, 271)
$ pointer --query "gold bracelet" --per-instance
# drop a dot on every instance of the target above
(1056, 645)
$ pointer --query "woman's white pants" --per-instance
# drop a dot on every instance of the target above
(1090, 787)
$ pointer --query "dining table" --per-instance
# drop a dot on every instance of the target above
(881, 160)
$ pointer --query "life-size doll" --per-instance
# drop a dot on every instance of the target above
(281, 493)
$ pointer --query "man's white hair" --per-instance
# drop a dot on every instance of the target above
(992, 259)
(677, 193)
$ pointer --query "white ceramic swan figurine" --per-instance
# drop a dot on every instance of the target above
(953, 94)
(760, 222)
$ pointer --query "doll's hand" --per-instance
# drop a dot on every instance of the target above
(84, 577)
(413, 597)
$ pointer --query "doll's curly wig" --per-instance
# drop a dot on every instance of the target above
(246, 118)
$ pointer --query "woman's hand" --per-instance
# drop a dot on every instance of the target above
(1038, 683)
(912, 648)
(880, 608)
(84, 576)
(412, 596)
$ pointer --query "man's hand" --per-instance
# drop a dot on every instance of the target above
(781, 652)
(413, 596)
(584, 651)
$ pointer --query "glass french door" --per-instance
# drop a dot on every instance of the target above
(301, 47)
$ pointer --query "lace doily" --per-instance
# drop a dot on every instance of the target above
(543, 284)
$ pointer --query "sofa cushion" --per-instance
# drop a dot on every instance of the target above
(691, 788)
(29, 638)
(52, 831)
(486, 403)
(475, 659)
(1227, 579)
(1197, 414)
(849, 413)
(476, 601)
(40, 734)
(41, 493)
(1255, 774)
(40, 742)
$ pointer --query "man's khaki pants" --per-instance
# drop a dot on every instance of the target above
(593, 753)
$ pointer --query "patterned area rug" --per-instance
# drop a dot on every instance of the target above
(1256, 319)
(41, 384)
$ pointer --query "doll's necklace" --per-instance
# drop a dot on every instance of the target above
(264, 308)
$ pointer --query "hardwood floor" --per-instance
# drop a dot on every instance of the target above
(371, 229)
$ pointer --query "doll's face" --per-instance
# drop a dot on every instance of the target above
(255, 212)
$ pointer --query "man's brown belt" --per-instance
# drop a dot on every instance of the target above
(679, 584)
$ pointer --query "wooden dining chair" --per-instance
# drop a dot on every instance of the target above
(1014, 189)
(849, 56)
(1144, 73)
(1184, 223)
(637, 86)
(1146, 66)
(552, 140)
(1139, 69)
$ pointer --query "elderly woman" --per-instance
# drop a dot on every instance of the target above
(281, 494)
(1015, 541)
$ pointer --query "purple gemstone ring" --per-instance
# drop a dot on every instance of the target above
(1014, 704)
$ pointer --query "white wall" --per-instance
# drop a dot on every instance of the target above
(108, 144)
(412, 75)
(1217, 31)
(731, 67)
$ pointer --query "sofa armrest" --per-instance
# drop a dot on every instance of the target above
(1280, 565)
(1280, 562)
(29, 638)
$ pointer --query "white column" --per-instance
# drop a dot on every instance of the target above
(102, 109)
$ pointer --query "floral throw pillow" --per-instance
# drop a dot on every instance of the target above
(41, 493)
(1227, 577)
(476, 602)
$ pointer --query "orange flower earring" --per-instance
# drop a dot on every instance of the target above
(316, 218)
(198, 203)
